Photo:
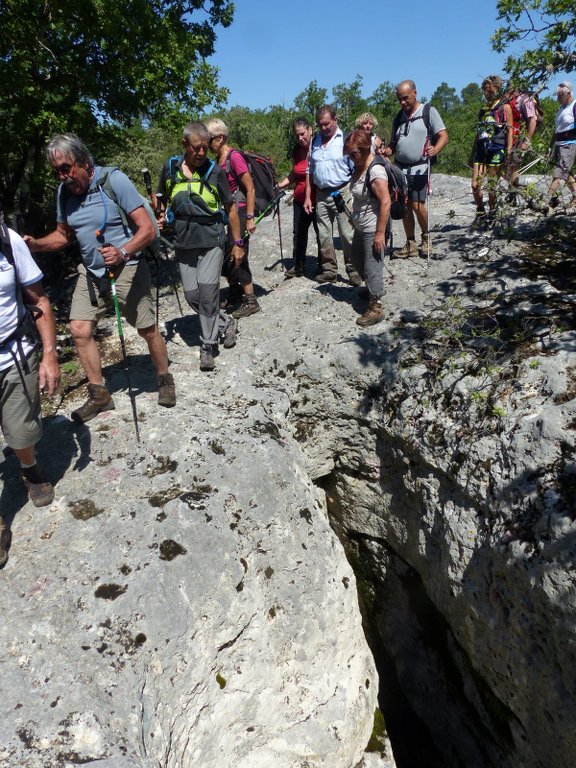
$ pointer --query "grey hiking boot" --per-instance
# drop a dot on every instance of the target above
(99, 400)
(207, 362)
(230, 333)
(249, 306)
(166, 390)
(373, 314)
(40, 490)
(5, 539)
(326, 277)
(354, 279)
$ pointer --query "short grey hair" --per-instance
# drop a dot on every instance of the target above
(564, 87)
(70, 146)
(197, 130)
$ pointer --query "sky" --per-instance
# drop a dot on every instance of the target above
(273, 50)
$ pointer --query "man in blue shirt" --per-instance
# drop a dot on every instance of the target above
(86, 212)
(330, 171)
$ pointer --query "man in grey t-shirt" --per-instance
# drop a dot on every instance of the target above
(413, 145)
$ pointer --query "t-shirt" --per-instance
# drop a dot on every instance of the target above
(365, 205)
(93, 211)
(411, 138)
(328, 167)
(565, 122)
(238, 167)
(300, 171)
(10, 314)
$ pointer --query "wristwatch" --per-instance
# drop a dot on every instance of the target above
(239, 242)
(125, 255)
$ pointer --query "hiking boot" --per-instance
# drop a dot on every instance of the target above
(554, 201)
(410, 248)
(326, 277)
(354, 279)
(293, 272)
(207, 362)
(166, 390)
(373, 314)
(5, 539)
(99, 400)
(249, 306)
(425, 243)
(228, 338)
(40, 490)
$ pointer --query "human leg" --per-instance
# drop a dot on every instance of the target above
(346, 232)
(22, 425)
(325, 214)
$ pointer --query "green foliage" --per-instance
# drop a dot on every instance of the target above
(308, 101)
(89, 66)
(348, 101)
(445, 98)
(550, 25)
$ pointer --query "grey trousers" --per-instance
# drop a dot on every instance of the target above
(326, 213)
(200, 273)
(368, 264)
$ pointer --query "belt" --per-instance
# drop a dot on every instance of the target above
(333, 189)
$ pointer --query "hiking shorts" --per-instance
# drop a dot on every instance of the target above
(489, 154)
(20, 403)
(134, 290)
(417, 186)
(564, 156)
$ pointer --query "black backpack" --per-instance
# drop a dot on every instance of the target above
(425, 117)
(397, 186)
(264, 178)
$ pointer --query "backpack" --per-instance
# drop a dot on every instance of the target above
(152, 250)
(425, 117)
(263, 175)
(397, 186)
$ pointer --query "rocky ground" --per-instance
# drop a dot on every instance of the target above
(184, 602)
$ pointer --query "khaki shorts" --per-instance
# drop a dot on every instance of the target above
(134, 290)
(20, 403)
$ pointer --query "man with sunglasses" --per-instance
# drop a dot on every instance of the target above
(107, 244)
(418, 136)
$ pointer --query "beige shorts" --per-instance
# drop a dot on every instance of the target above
(134, 291)
(20, 403)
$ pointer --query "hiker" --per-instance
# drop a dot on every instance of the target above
(302, 219)
(23, 372)
(328, 171)
(241, 299)
(418, 136)
(564, 144)
(107, 245)
(370, 212)
(199, 199)
(492, 143)
(525, 121)
(367, 122)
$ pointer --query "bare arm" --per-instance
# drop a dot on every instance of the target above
(248, 188)
(234, 226)
(441, 141)
(379, 188)
(49, 370)
(55, 241)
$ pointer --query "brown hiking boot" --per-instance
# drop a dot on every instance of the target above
(249, 306)
(373, 314)
(40, 490)
(5, 539)
(99, 400)
(166, 390)
(425, 243)
(410, 248)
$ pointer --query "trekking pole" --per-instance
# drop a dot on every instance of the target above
(280, 235)
(124, 355)
(166, 244)
(341, 207)
(428, 214)
(148, 185)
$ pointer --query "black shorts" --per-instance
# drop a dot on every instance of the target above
(489, 154)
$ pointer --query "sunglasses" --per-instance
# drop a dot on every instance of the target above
(64, 169)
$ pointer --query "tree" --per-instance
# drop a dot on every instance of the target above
(92, 65)
(308, 101)
(445, 98)
(471, 94)
(550, 25)
(348, 100)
